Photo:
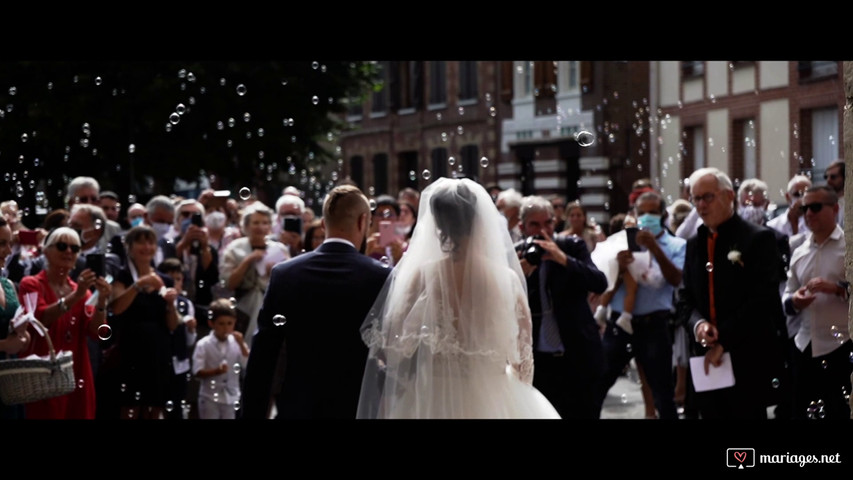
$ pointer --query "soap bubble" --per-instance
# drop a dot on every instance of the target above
(279, 320)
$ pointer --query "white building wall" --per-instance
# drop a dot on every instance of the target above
(743, 79)
(669, 165)
(717, 75)
(717, 138)
(693, 89)
(772, 74)
(774, 138)
(668, 87)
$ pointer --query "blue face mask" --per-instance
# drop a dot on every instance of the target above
(136, 222)
(650, 222)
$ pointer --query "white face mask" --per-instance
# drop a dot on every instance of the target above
(215, 220)
(161, 229)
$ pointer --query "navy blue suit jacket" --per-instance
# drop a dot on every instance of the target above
(324, 296)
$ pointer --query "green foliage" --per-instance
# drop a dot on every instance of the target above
(81, 118)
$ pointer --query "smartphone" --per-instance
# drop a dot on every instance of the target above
(95, 262)
(28, 237)
(387, 233)
(197, 220)
(631, 235)
(292, 224)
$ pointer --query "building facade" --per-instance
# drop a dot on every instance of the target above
(764, 119)
(431, 119)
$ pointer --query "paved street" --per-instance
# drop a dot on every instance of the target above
(625, 399)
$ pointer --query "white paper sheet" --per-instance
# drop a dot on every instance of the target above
(718, 377)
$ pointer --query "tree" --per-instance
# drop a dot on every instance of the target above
(136, 126)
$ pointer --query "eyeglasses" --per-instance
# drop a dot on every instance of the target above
(93, 200)
(831, 176)
(814, 207)
(707, 198)
(62, 246)
(797, 194)
(186, 214)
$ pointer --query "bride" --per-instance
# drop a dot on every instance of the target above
(450, 333)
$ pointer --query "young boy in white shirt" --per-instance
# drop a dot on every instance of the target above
(218, 360)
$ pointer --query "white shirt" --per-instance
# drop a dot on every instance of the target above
(824, 321)
(781, 224)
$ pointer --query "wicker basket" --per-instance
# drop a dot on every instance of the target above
(25, 381)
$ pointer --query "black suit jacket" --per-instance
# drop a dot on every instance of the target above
(568, 288)
(747, 302)
(325, 296)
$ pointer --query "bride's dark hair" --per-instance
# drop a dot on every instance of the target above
(453, 209)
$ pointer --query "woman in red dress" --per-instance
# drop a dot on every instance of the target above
(61, 307)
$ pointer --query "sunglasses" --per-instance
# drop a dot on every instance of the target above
(814, 207)
(94, 200)
(62, 246)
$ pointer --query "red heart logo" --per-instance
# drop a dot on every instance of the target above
(740, 456)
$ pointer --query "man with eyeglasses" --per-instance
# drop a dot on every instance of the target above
(731, 289)
(792, 221)
(817, 290)
(834, 176)
(567, 349)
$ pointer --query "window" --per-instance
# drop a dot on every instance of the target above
(825, 138)
(439, 162)
(470, 162)
(437, 83)
(692, 150)
(406, 81)
(467, 80)
(744, 163)
(692, 69)
(573, 75)
(814, 70)
(408, 164)
(379, 99)
(545, 77)
(380, 173)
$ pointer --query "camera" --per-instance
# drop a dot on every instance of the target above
(532, 252)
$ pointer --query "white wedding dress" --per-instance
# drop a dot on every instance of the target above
(450, 334)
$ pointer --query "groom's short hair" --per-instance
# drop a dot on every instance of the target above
(343, 205)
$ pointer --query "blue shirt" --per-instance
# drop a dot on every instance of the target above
(653, 299)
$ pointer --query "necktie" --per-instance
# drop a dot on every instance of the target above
(712, 240)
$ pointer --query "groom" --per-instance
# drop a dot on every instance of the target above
(308, 346)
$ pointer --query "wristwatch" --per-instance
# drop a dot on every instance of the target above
(62, 306)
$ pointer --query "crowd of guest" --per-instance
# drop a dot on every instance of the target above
(162, 327)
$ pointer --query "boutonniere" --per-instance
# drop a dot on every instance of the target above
(734, 257)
